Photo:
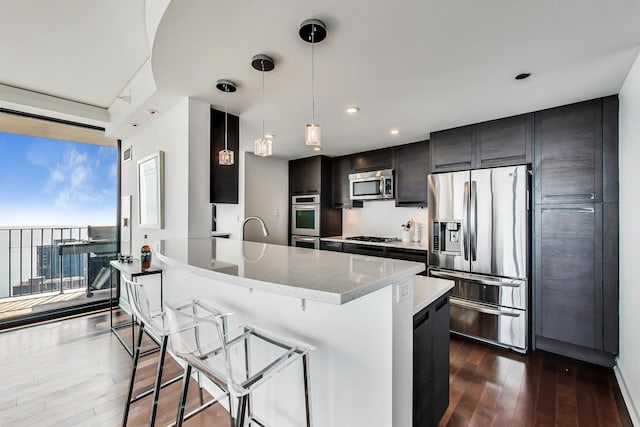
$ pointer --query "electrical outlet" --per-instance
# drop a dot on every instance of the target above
(403, 291)
(276, 212)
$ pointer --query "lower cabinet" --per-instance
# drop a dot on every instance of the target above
(331, 246)
(431, 363)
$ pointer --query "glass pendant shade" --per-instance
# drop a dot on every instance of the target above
(225, 157)
(312, 135)
(262, 147)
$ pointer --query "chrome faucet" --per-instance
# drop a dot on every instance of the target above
(257, 218)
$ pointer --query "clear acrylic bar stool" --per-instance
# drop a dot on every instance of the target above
(154, 324)
(214, 350)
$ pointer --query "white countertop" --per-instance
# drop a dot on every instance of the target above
(323, 276)
(419, 246)
(428, 289)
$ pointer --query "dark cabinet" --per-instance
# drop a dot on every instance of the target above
(569, 153)
(452, 150)
(431, 363)
(576, 241)
(373, 160)
(340, 192)
(569, 248)
(223, 179)
(411, 166)
(331, 246)
(385, 252)
(305, 176)
(503, 142)
(362, 249)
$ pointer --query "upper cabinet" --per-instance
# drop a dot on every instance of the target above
(569, 153)
(577, 152)
(340, 195)
(503, 142)
(452, 150)
(304, 176)
(411, 166)
(223, 179)
(373, 160)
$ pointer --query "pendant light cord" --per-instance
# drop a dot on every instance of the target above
(313, 96)
(263, 107)
(226, 113)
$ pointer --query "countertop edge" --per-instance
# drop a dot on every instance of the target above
(428, 289)
(414, 246)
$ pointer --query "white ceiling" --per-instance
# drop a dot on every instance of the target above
(81, 50)
(415, 65)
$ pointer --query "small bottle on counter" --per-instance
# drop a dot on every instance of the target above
(145, 255)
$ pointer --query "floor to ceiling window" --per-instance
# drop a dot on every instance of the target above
(58, 215)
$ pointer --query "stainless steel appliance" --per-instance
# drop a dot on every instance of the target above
(305, 215)
(479, 237)
(305, 242)
(377, 185)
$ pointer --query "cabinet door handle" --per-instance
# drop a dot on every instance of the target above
(578, 210)
(420, 321)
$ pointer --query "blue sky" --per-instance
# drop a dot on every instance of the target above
(52, 182)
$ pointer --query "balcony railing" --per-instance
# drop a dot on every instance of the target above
(35, 260)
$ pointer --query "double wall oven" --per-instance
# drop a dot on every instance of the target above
(305, 221)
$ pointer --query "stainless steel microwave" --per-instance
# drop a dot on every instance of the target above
(376, 185)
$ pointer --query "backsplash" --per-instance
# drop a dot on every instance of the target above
(381, 218)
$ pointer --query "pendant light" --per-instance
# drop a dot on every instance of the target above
(312, 31)
(225, 157)
(263, 145)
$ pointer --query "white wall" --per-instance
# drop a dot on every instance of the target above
(628, 369)
(266, 194)
(169, 133)
(199, 169)
(381, 218)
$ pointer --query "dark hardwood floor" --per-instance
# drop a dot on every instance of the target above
(495, 387)
(75, 373)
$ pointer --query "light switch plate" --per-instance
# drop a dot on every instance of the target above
(403, 291)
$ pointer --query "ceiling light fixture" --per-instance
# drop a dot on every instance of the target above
(225, 157)
(270, 136)
(152, 112)
(352, 110)
(263, 145)
(316, 148)
(394, 131)
(312, 31)
(522, 76)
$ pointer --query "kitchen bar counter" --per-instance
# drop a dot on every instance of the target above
(308, 274)
(428, 289)
(356, 310)
(418, 246)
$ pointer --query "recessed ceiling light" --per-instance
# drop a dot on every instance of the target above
(316, 148)
(270, 135)
(352, 110)
(522, 76)
(152, 112)
(394, 131)
(135, 125)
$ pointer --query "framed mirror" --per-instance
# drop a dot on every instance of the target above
(151, 191)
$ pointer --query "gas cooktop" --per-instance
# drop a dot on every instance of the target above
(373, 239)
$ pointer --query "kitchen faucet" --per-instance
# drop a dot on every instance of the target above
(257, 218)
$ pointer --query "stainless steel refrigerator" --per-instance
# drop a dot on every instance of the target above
(479, 228)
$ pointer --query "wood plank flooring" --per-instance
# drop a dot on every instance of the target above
(75, 373)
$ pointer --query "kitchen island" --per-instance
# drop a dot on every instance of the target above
(356, 310)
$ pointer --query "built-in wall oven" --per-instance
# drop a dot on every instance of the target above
(308, 242)
(305, 215)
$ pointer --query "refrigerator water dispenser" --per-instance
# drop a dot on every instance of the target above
(446, 236)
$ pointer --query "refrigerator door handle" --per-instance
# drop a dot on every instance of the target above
(473, 220)
(482, 308)
(465, 219)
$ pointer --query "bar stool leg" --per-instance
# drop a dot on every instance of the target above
(242, 408)
(183, 395)
(136, 357)
(158, 385)
(307, 400)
